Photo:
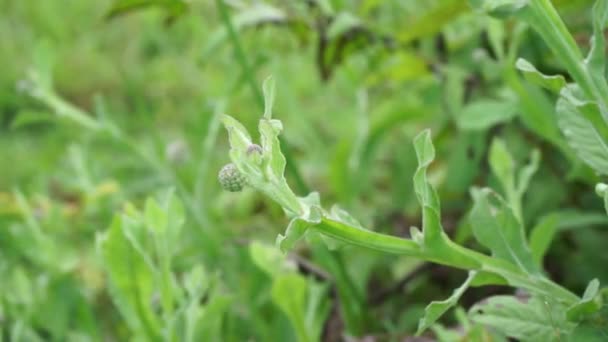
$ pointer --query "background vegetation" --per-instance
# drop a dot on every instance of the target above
(109, 113)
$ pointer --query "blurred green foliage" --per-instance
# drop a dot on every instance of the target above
(110, 120)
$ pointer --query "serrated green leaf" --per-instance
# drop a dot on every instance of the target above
(553, 83)
(530, 320)
(436, 309)
(497, 228)
(588, 305)
(483, 114)
(585, 138)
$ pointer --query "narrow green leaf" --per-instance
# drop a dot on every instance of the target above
(541, 237)
(436, 309)
(426, 194)
(269, 93)
(588, 305)
(502, 164)
(525, 173)
(552, 83)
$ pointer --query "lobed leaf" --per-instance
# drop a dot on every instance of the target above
(530, 320)
(497, 228)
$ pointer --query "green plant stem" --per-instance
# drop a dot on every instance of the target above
(543, 16)
(391, 244)
(241, 57)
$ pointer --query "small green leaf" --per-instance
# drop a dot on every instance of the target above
(502, 164)
(525, 173)
(541, 237)
(436, 309)
(483, 114)
(588, 305)
(529, 320)
(552, 83)
(269, 92)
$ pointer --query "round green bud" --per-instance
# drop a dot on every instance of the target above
(231, 178)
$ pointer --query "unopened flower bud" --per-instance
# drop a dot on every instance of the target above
(231, 178)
